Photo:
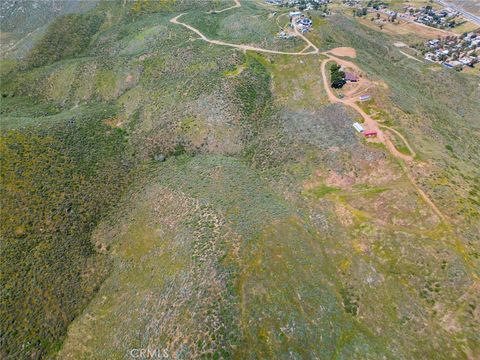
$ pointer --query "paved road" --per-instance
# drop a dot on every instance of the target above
(467, 15)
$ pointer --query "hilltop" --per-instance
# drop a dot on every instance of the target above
(178, 177)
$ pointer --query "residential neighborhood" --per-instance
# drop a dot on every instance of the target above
(300, 4)
(442, 19)
(453, 51)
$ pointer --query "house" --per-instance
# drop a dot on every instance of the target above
(370, 133)
(468, 61)
(351, 77)
(305, 22)
(364, 97)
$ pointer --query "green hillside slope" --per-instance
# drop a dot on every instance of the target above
(160, 192)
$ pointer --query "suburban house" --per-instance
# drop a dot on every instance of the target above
(453, 51)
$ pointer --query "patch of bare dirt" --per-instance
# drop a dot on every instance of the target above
(378, 174)
(343, 181)
(344, 51)
(343, 214)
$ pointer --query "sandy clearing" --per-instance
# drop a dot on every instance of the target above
(344, 52)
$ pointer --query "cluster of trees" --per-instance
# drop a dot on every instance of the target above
(337, 76)
(391, 18)
(376, 4)
(360, 12)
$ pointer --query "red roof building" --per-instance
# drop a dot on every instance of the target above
(351, 77)
(370, 133)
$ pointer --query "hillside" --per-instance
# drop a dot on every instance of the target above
(178, 178)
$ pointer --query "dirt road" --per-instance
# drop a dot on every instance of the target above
(371, 124)
(237, 5)
(410, 56)
(401, 137)
(240, 46)
(350, 100)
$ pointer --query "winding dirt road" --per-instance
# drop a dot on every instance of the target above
(237, 5)
(350, 100)
(240, 46)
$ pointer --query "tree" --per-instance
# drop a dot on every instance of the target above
(337, 77)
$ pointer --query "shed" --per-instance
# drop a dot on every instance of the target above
(358, 127)
(370, 133)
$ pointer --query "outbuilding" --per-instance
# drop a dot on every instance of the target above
(351, 77)
(358, 127)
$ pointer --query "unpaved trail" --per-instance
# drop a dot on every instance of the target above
(332, 55)
(371, 124)
(424, 196)
(14, 45)
(240, 46)
(237, 5)
(410, 56)
(401, 137)
(310, 44)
